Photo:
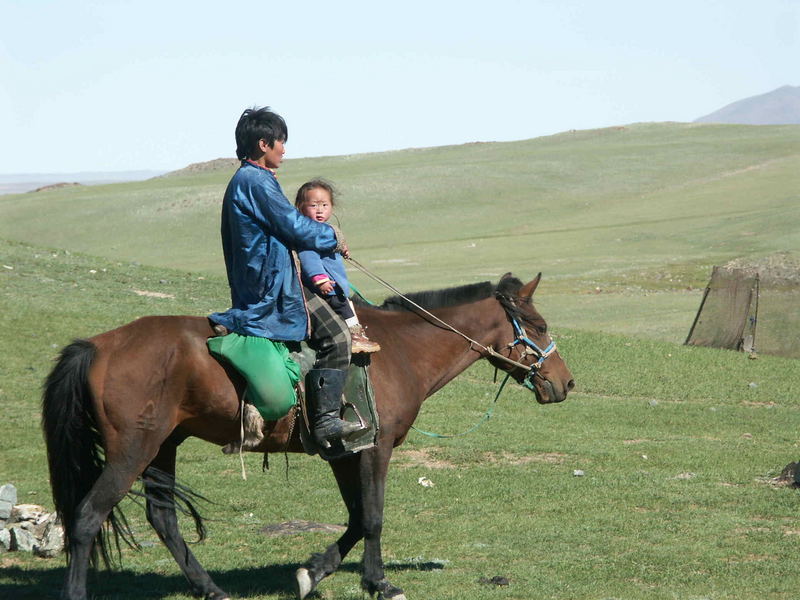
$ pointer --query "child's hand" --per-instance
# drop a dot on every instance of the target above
(341, 244)
(325, 287)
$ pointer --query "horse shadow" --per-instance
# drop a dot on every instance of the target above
(45, 583)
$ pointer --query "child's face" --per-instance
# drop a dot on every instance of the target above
(318, 205)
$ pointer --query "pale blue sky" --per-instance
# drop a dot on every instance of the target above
(120, 85)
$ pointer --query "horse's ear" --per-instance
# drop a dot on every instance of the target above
(506, 276)
(528, 289)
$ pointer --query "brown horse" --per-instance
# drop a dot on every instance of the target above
(116, 407)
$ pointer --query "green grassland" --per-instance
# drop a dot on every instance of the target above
(678, 444)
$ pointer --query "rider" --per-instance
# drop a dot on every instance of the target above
(260, 229)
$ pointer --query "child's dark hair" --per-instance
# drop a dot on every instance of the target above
(311, 185)
(258, 124)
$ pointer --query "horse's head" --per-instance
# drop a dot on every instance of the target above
(536, 364)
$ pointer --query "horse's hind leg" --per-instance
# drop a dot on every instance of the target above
(111, 486)
(159, 490)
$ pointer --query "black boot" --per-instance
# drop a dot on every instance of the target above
(324, 403)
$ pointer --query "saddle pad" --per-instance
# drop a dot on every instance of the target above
(266, 366)
(360, 397)
(359, 402)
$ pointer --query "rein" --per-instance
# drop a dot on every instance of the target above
(487, 415)
(529, 347)
(522, 338)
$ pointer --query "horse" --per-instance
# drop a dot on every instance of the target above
(116, 407)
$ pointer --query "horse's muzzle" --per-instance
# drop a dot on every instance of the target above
(547, 393)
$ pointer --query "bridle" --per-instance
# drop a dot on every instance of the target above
(528, 347)
(524, 345)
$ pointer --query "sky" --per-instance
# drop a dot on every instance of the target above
(115, 85)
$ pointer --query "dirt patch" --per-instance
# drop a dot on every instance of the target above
(152, 294)
(747, 530)
(506, 458)
(420, 458)
(298, 526)
(10, 561)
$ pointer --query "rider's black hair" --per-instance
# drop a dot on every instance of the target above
(258, 124)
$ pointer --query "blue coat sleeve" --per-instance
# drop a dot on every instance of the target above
(311, 263)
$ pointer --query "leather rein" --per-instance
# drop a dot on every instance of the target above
(528, 346)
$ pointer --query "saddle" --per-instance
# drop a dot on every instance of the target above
(273, 375)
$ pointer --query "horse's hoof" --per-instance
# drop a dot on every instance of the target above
(304, 584)
(386, 591)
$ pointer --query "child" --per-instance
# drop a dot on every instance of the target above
(324, 272)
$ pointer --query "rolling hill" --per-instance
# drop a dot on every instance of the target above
(623, 221)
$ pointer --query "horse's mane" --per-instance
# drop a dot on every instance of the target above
(431, 299)
(463, 294)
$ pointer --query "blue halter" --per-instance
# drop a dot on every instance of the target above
(531, 347)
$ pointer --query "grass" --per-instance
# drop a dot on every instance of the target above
(677, 445)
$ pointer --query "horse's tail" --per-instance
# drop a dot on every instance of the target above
(76, 457)
(75, 452)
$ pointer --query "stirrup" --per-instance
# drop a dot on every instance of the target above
(341, 435)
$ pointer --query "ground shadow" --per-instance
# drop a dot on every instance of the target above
(45, 584)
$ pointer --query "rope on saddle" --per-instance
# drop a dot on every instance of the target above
(241, 437)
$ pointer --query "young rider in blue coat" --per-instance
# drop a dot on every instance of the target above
(324, 272)
(260, 228)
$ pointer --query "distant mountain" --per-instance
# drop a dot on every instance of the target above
(778, 107)
(27, 182)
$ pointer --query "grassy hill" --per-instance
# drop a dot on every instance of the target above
(677, 445)
(608, 215)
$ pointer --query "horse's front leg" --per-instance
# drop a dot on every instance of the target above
(348, 476)
(374, 468)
